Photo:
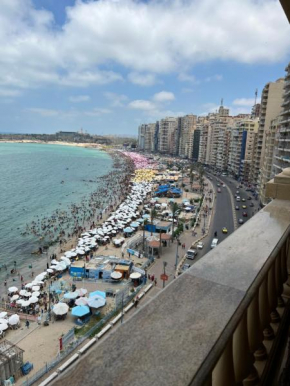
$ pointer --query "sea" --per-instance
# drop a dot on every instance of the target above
(36, 181)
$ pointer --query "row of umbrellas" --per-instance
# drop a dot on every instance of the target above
(6, 321)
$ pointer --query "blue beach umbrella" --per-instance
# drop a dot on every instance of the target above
(128, 230)
(146, 216)
(140, 220)
(98, 293)
(134, 224)
(71, 295)
(80, 311)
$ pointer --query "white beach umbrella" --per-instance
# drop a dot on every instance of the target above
(20, 301)
(36, 294)
(60, 309)
(3, 326)
(12, 289)
(60, 267)
(71, 295)
(15, 297)
(3, 321)
(82, 291)
(96, 302)
(3, 314)
(54, 261)
(33, 299)
(82, 301)
(22, 292)
(38, 282)
(25, 303)
(35, 288)
(49, 270)
(135, 275)
(116, 275)
(13, 320)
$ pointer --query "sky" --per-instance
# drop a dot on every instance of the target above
(109, 65)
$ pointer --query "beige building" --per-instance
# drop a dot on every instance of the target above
(168, 136)
(271, 101)
(187, 127)
(146, 134)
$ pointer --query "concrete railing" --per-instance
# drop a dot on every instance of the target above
(219, 323)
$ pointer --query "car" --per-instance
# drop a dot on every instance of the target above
(237, 207)
(225, 230)
(185, 267)
(214, 243)
(244, 206)
(245, 214)
(219, 190)
(238, 192)
(238, 198)
(191, 253)
(251, 204)
(241, 221)
(218, 184)
(243, 199)
(200, 245)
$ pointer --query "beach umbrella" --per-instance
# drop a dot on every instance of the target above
(35, 294)
(3, 326)
(135, 275)
(98, 293)
(60, 309)
(22, 292)
(35, 288)
(3, 321)
(82, 301)
(54, 261)
(38, 282)
(12, 289)
(60, 267)
(134, 224)
(71, 295)
(33, 299)
(96, 302)
(15, 297)
(3, 314)
(20, 301)
(80, 311)
(52, 267)
(25, 303)
(82, 291)
(13, 320)
(116, 275)
(146, 216)
(49, 270)
(128, 230)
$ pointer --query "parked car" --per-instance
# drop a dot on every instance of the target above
(244, 206)
(200, 245)
(238, 192)
(241, 221)
(219, 190)
(238, 198)
(243, 199)
(225, 230)
(190, 254)
(245, 214)
(237, 207)
(214, 243)
(185, 267)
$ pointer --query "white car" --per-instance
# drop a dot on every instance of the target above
(200, 245)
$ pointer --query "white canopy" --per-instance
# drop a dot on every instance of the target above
(60, 309)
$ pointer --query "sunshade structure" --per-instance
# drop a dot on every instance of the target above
(135, 275)
(3, 314)
(71, 295)
(96, 302)
(116, 275)
(13, 320)
(134, 225)
(60, 309)
(15, 297)
(12, 289)
(82, 301)
(146, 216)
(128, 230)
(98, 293)
(82, 291)
(80, 311)
(33, 300)
(3, 326)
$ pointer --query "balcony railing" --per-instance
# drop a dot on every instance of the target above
(219, 324)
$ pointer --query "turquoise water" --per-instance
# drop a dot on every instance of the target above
(35, 181)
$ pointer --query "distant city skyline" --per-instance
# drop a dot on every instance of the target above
(108, 66)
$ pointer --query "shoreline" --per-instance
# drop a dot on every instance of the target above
(91, 145)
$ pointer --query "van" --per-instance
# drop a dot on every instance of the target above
(214, 243)
(191, 253)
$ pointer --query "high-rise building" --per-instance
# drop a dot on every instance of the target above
(271, 101)
(187, 127)
(196, 142)
(282, 157)
(146, 137)
(167, 137)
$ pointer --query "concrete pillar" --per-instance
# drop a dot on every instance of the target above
(272, 295)
(279, 187)
(285, 268)
(279, 277)
(245, 372)
(255, 332)
(223, 373)
(264, 310)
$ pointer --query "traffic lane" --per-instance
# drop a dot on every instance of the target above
(223, 217)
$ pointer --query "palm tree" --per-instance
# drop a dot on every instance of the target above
(175, 210)
(153, 215)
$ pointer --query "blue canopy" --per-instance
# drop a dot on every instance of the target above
(97, 293)
(146, 216)
(128, 230)
(134, 224)
(80, 311)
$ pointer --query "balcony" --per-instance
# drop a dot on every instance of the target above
(220, 323)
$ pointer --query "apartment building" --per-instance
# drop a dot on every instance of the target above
(268, 166)
(271, 101)
(168, 136)
(204, 142)
(282, 157)
(187, 127)
(146, 137)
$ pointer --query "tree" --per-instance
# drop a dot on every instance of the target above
(175, 211)
(153, 215)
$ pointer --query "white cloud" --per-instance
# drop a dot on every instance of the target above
(97, 112)
(163, 96)
(67, 113)
(216, 77)
(44, 112)
(117, 100)
(97, 33)
(142, 105)
(184, 77)
(245, 102)
(79, 98)
(142, 79)
(6, 92)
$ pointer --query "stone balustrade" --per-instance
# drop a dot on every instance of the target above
(218, 324)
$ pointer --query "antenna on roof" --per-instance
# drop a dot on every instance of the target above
(222, 101)
(256, 95)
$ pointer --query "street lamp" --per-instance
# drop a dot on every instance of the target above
(176, 255)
